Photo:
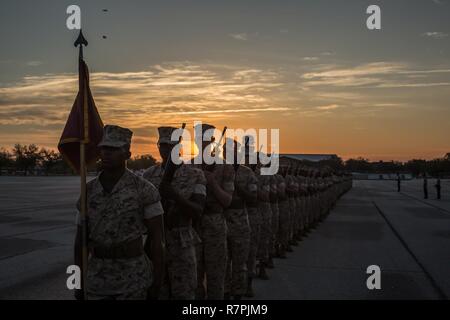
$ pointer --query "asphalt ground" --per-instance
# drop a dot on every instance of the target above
(373, 224)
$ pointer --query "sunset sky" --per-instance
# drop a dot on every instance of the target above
(310, 68)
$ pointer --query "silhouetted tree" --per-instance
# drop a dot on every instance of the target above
(26, 157)
(49, 159)
(141, 162)
(416, 167)
(358, 165)
(387, 166)
(5, 159)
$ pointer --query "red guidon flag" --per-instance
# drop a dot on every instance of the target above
(84, 125)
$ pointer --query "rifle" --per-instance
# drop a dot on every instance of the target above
(210, 167)
(170, 168)
(169, 172)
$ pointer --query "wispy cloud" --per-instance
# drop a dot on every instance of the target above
(34, 63)
(310, 58)
(374, 75)
(163, 94)
(374, 68)
(413, 85)
(389, 105)
(435, 34)
(247, 110)
(175, 92)
(239, 36)
(328, 107)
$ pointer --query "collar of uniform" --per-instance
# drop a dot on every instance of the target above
(122, 183)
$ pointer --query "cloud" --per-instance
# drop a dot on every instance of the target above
(239, 36)
(247, 110)
(435, 35)
(374, 75)
(310, 58)
(34, 63)
(413, 85)
(328, 107)
(388, 105)
(374, 68)
(334, 96)
(168, 93)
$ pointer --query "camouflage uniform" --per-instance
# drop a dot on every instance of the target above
(255, 219)
(301, 205)
(293, 206)
(117, 218)
(238, 234)
(181, 238)
(312, 200)
(275, 213)
(265, 212)
(283, 207)
(212, 228)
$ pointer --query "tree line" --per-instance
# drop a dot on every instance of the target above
(34, 160)
(417, 167)
(31, 159)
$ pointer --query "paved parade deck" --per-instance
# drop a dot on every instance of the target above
(407, 237)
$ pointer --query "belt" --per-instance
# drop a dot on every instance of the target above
(122, 250)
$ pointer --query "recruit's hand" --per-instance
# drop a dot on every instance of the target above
(167, 191)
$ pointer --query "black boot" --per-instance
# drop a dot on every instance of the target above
(270, 264)
(282, 253)
(262, 272)
(277, 251)
(249, 293)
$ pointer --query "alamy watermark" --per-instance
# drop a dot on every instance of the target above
(374, 280)
(236, 141)
(374, 20)
(74, 19)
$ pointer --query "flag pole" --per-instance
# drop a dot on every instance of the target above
(83, 212)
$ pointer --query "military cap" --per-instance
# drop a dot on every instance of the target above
(115, 136)
(165, 135)
(205, 127)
